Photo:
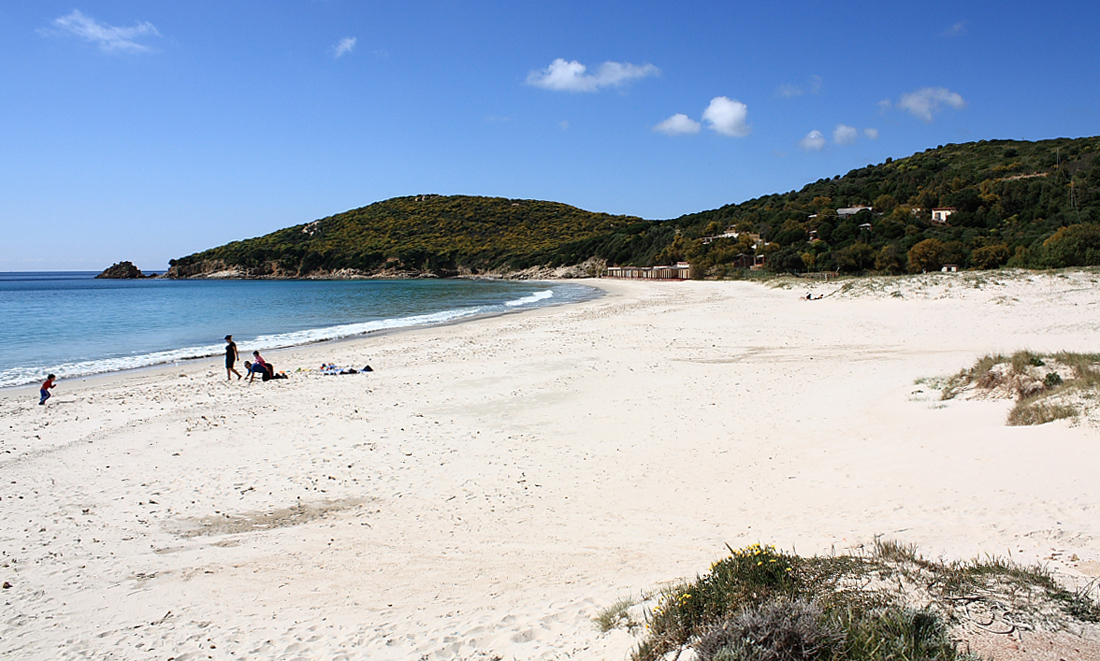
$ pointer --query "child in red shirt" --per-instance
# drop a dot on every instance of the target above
(45, 389)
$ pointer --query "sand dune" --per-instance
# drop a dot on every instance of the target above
(494, 484)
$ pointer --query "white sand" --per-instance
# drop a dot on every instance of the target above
(494, 484)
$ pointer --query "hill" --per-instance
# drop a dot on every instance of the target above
(1028, 204)
(418, 235)
(1017, 203)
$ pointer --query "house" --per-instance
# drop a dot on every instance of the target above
(730, 233)
(850, 211)
(940, 214)
(678, 271)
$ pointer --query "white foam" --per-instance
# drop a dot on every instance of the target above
(530, 298)
(20, 376)
(26, 375)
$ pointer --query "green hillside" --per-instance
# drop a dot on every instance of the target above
(1028, 204)
(1017, 203)
(421, 234)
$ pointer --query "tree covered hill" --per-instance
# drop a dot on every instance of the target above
(424, 234)
(1028, 204)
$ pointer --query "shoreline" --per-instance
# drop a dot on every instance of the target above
(33, 385)
(493, 485)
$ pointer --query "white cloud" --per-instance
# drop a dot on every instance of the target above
(814, 141)
(956, 30)
(678, 124)
(345, 46)
(871, 133)
(562, 76)
(813, 86)
(788, 91)
(107, 37)
(884, 105)
(924, 102)
(844, 135)
(727, 116)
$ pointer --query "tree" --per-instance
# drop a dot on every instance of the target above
(885, 203)
(786, 260)
(926, 256)
(809, 259)
(1075, 245)
(888, 260)
(855, 257)
(990, 257)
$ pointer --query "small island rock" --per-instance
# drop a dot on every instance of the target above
(122, 271)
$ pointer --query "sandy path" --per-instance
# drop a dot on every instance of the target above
(494, 484)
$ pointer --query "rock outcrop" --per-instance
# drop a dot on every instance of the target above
(122, 271)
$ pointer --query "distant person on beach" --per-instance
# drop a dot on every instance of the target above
(231, 357)
(255, 368)
(266, 371)
(44, 391)
(259, 360)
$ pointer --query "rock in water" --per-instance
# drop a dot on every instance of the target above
(122, 271)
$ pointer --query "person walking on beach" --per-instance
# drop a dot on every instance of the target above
(231, 356)
(44, 391)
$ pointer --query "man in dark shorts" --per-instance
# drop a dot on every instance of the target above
(231, 358)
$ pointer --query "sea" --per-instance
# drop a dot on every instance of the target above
(70, 324)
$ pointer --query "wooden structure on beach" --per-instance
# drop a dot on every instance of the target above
(678, 271)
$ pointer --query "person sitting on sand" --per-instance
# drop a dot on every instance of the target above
(44, 391)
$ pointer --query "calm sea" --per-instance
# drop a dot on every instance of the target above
(71, 324)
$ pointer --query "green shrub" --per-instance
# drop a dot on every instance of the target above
(781, 629)
(759, 604)
(896, 633)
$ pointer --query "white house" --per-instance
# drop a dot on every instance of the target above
(940, 214)
(851, 211)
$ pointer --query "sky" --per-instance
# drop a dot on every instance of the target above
(147, 130)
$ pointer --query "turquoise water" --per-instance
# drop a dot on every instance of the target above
(71, 324)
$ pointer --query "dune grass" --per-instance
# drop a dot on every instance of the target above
(760, 604)
(617, 615)
(1046, 387)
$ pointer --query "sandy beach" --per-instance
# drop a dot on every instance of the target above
(493, 484)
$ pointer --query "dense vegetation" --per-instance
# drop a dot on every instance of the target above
(1027, 204)
(422, 234)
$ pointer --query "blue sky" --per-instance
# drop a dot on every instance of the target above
(147, 130)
